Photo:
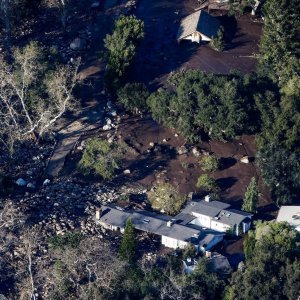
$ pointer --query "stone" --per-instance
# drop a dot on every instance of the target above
(95, 4)
(245, 160)
(196, 152)
(176, 135)
(78, 44)
(46, 181)
(182, 150)
(113, 113)
(31, 185)
(127, 171)
(151, 144)
(106, 127)
(21, 182)
(108, 121)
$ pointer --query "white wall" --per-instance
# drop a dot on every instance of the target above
(173, 243)
(215, 225)
(201, 220)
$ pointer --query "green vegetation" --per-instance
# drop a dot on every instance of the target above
(167, 198)
(133, 96)
(101, 158)
(205, 104)
(127, 249)
(271, 258)
(280, 44)
(209, 163)
(121, 47)
(251, 197)
(207, 184)
(217, 43)
(68, 240)
(280, 169)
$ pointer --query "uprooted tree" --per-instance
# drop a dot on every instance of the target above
(32, 95)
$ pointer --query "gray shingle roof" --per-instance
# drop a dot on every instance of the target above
(232, 217)
(211, 209)
(156, 224)
(199, 21)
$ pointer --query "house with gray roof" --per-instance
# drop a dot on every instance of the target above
(173, 235)
(197, 27)
(215, 215)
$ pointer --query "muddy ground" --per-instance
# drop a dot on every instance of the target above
(159, 52)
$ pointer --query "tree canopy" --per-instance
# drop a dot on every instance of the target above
(271, 256)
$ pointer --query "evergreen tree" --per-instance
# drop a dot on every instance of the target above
(251, 197)
(127, 249)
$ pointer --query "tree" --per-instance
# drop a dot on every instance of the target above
(166, 197)
(121, 46)
(101, 158)
(280, 170)
(133, 96)
(251, 197)
(128, 245)
(32, 96)
(207, 184)
(209, 163)
(217, 43)
(280, 43)
(268, 273)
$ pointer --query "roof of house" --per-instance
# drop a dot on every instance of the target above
(290, 214)
(199, 21)
(220, 211)
(210, 209)
(232, 217)
(156, 224)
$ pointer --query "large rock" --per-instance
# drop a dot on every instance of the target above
(21, 182)
(78, 44)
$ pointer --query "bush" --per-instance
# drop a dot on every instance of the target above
(101, 158)
(207, 184)
(217, 43)
(68, 240)
(133, 96)
(209, 163)
(167, 198)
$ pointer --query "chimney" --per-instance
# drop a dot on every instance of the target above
(207, 198)
(169, 223)
(98, 213)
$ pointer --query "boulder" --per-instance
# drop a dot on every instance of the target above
(182, 150)
(21, 182)
(245, 160)
(127, 171)
(31, 185)
(196, 152)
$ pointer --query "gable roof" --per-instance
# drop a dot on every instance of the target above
(156, 224)
(211, 209)
(199, 21)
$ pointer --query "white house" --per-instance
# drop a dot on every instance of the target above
(173, 234)
(290, 214)
(197, 27)
(215, 215)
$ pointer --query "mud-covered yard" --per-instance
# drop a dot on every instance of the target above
(159, 52)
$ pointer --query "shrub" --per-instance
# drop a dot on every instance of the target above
(217, 43)
(167, 198)
(209, 163)
(207, 184)
(68, 240)
(133, 96)
(101, 158)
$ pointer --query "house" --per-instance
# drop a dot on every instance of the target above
(215, 215)
(290, 214)
(197, 27)
(173, 235)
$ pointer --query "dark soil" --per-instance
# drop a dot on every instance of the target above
(159, 53)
